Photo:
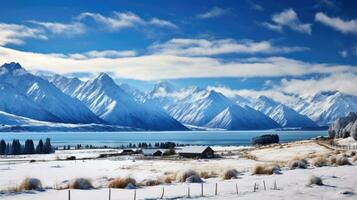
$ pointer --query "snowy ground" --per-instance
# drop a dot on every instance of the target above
(291, 183)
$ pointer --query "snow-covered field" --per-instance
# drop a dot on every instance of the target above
(339, 182)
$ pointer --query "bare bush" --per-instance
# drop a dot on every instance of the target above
(354, 159)
(230, 174)
(185, 174)
(264, 169)
(122, 182)
(298, 163)
(81, 184)
(319, 161)
(194, 179)
(151, 182)
(342, 161)
(30, 184)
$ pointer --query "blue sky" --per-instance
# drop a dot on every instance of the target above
(250, 44)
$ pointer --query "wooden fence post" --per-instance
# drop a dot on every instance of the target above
(188, 192)
(134, 194)
(163, 192)
(237, 188)
(201, 189)
(110, 193)
(215, 191)
(69, 194)
(264, 185)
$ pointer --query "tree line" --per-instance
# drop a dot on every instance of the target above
(16, 148)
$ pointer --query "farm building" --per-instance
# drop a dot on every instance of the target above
(152, 152)
(197, 152)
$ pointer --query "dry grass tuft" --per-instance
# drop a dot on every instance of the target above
(151, 182)
(319, 161)
(230, 174)
(185, 174)
(81, 184)
(342, 161)
(122, 182)
(354, 159)
(264, 169)
(339, 161)
(297, 163)
(204, 175)
(333, 160)
(30, 184)
(168, 180)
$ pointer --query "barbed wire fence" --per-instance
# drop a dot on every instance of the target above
(189, 190)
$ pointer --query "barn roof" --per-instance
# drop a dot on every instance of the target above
(194, 149)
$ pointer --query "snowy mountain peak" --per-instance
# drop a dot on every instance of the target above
(163, 86)
(104, 78)
(11, 66)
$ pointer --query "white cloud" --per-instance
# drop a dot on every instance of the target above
(75, 28)
(118, 21)
(290, 19)
(155, 67)
(255, 6)
(121, 20)
(314, 85)
(16, 34)
(285, 91)
(343, 53)
(273, 94)
(214, 12)
(273, 27)
(204, 47)
(162, 23)
(102, 54)
(344, 26)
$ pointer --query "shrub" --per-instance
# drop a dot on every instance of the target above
(342, 161)
(151, 182)
(333, 160)
(122, 182)
(298, 163)
(264, 169)
(229, 174)
(314, 180)
(168, 180)
(71, 158)
(184, 175)
(81, 184)
(30, 184)
(194, 179)
(353, 153)
(169, 152)
(204, 175)
(319, 161)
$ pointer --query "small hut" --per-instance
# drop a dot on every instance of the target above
(197, 152)
(152, 152)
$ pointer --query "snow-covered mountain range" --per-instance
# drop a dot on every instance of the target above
(55, 102)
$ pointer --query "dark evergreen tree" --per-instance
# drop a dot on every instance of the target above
(16, 147)
(47, 147)
(29, 147)
(39, 147)
(8, 149)
(2, 147)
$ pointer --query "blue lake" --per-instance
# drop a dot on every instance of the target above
(116, 139)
